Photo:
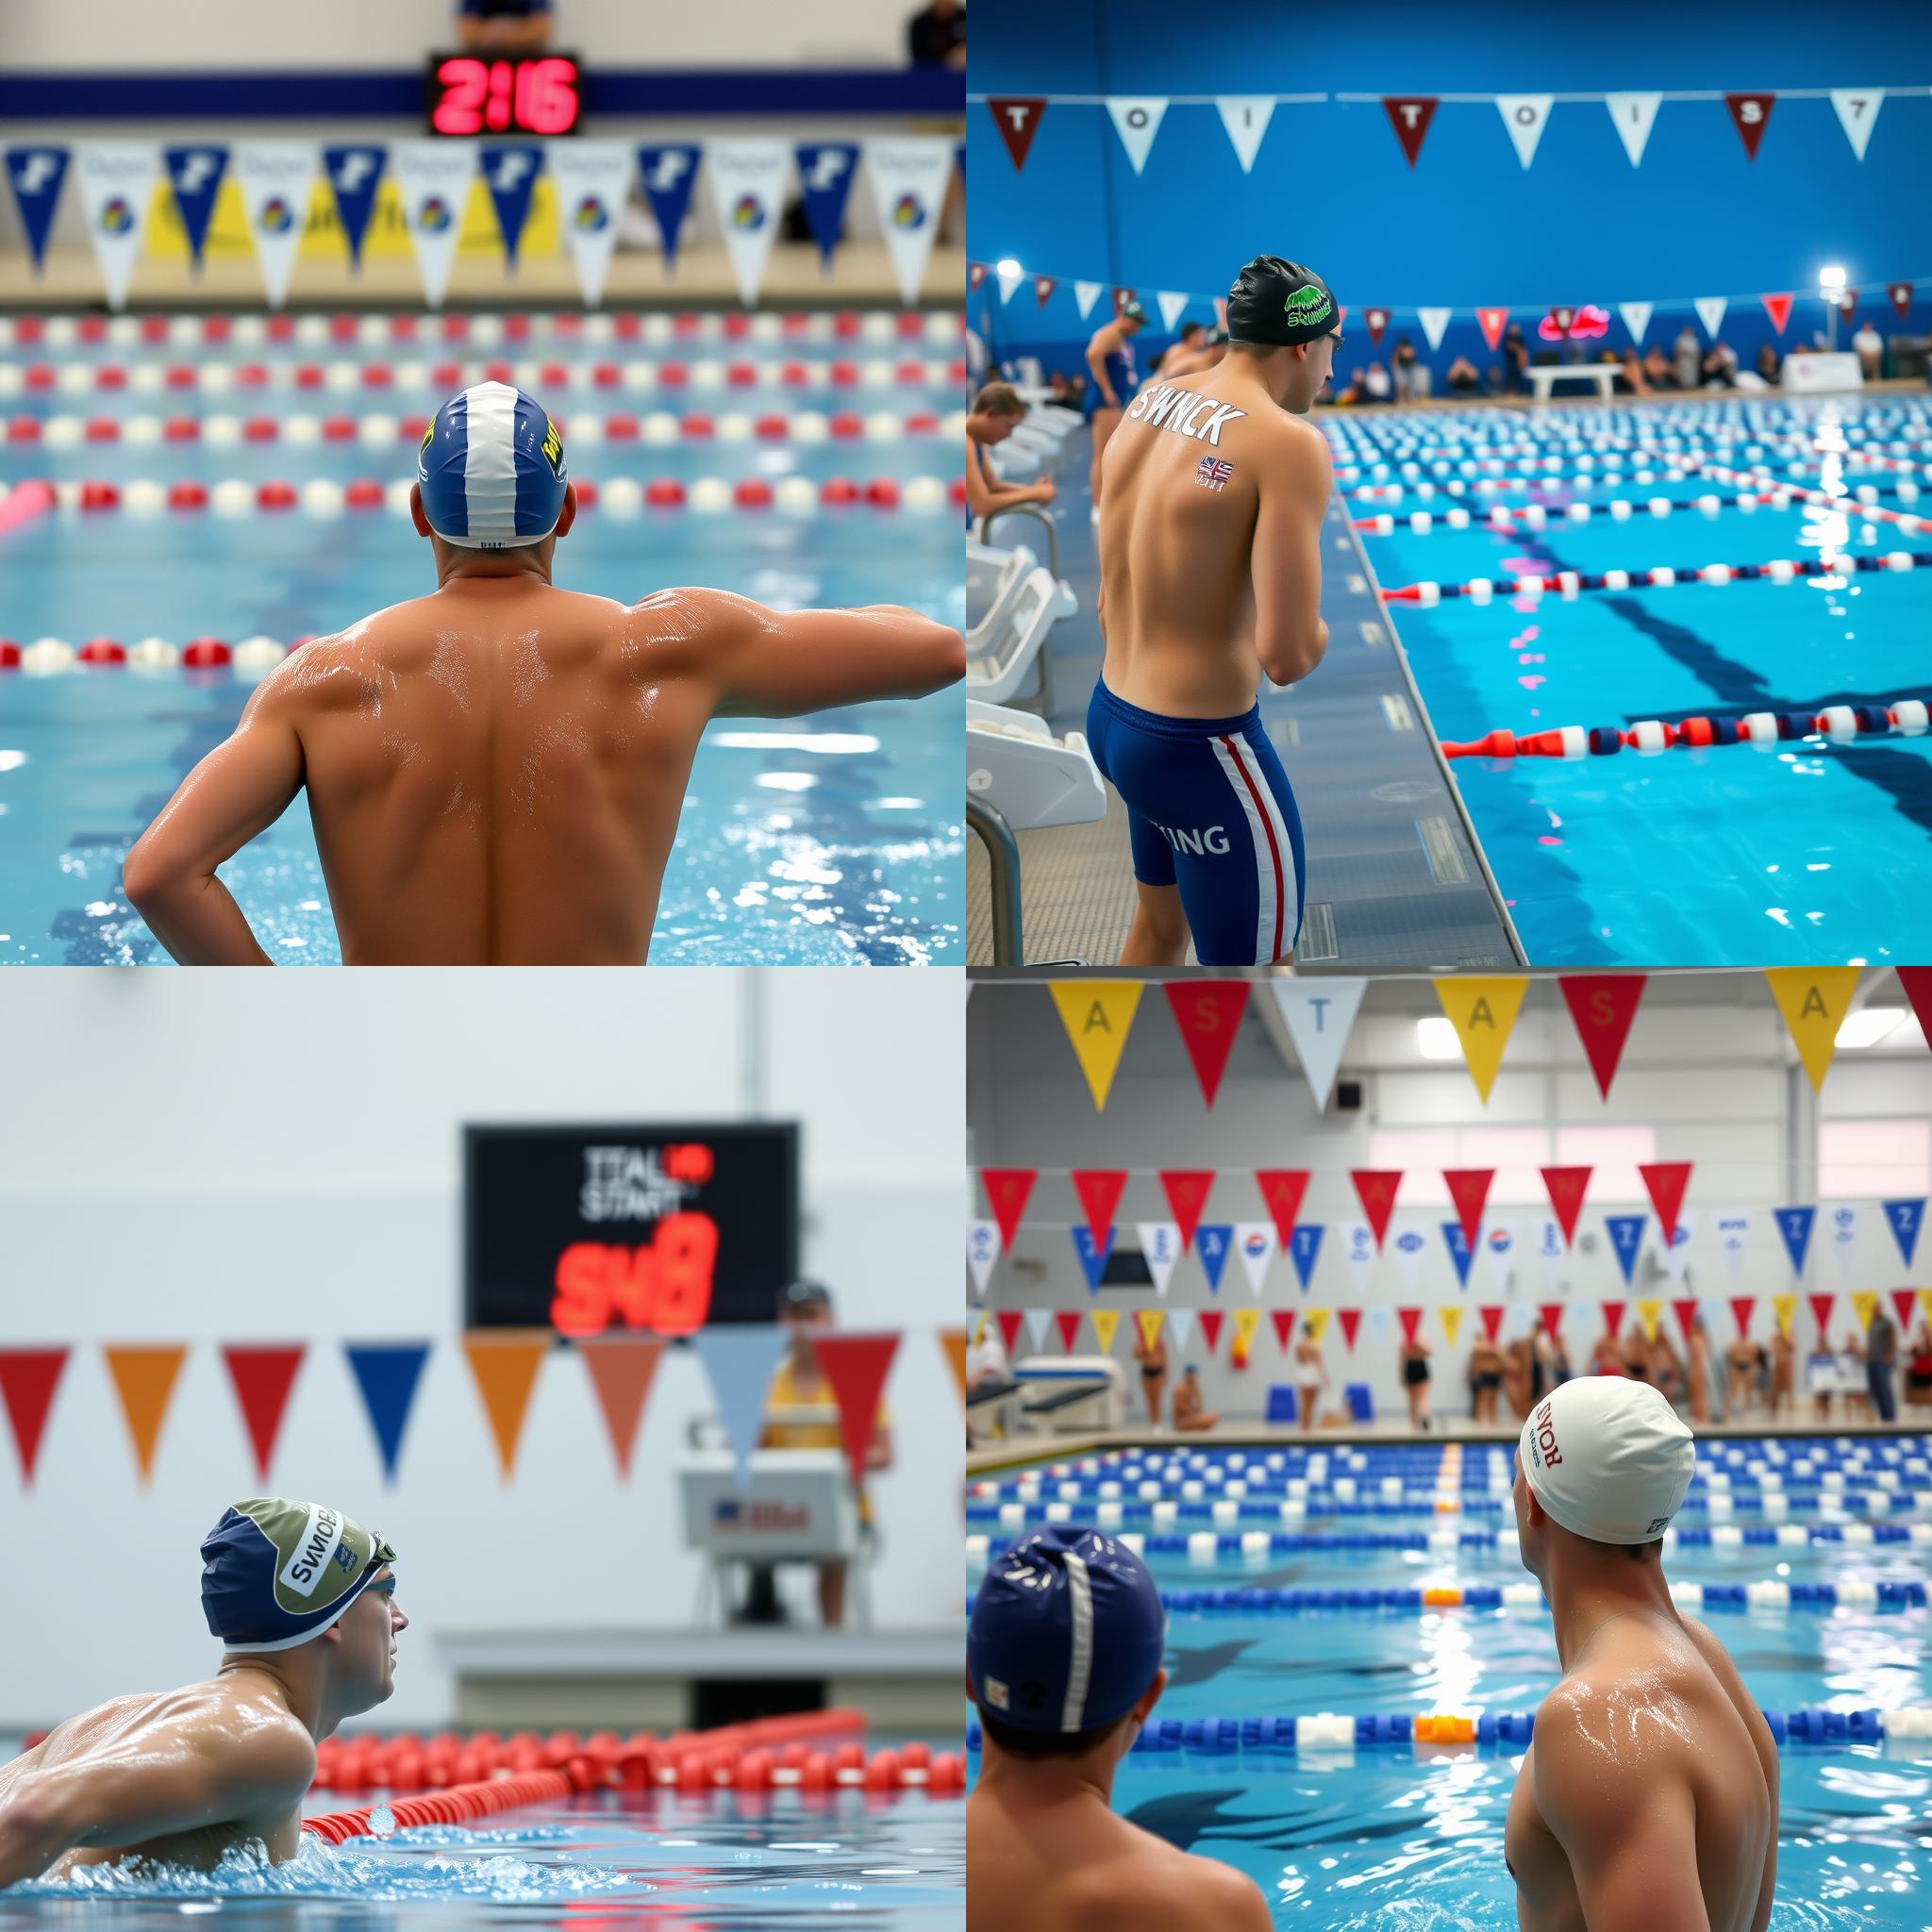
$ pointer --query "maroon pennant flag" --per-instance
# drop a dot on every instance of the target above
(1043, 287)
(1917, 981)
(1016, 117)
(975, 274)
(1121, 298)
(1491, 322)
(1410, 115)
(1848, 302)
(1561, 319)
(1750, 113)
(1377, 320)
(1901, 293)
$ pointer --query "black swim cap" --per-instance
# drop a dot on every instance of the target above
(1275, 303)
(1131, 311)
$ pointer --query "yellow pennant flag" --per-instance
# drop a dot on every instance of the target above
(1098, 1015)
(1316, 1322)
(1150, 1320)
(1245, 1322)
(144, 1381)
(1865, 1304)
(954, 1342)
(1105, 1322)
(1452, 1320)
(1483, 1012)
(1785, 1306)
(505, 1362)
(1814, 1001)
(979, 1334)
(1648, 1312)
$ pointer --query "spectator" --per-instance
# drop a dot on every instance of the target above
(1687, 358)
(1633, 374)
(1152, 1355)
(1515, 361)
(1820, 1379)
(1354, 391)
(1412, 372)
(1554, 1355)
(1607, 1358)
(1721, 365)
(1854, 1377)
(1770, 365)
(1310, 1378)
(504, 27)
(1869, 345)
(1697, 1370)
(936, 37)
(1657, 371)
(1415, 1381)
(1485, 1380)
(1462, 380)
(1741, 1366)
(1376, 386)
(997, 411)
(1189, 1412)
(1783, 1365)
(1881, 1357)
(1919, 1370)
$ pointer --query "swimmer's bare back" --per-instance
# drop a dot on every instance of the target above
(496, 771)
(1649, 1797)
(1210, 552)
(179, 1776)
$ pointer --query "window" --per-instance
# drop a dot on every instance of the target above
(1868, 1160)
(1516, 1153)
(1614, 1153)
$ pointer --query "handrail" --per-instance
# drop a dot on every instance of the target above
(1003, 860)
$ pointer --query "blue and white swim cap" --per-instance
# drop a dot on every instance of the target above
(275, 1572)
(492, 469)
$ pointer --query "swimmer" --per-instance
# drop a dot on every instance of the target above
(1111, 362)
(1153, 1359)
(1310, 1378)
(1211, 568)
(1199, 348)
(1190, 1410)
(303, 1600)
(1649, 1796)
(1063, 1662)
(997, 411)
(496, 771)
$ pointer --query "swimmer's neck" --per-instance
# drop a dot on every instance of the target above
(492, 568)
(1033, 1783)
(1239, 376)
(1591, 1593)
(295, 1678)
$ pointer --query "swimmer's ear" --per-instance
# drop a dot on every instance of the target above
(569, 514)
(416, 515)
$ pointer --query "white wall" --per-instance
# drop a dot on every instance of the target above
(209, 1158)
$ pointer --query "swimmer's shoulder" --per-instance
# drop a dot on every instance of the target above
(1160, 1888)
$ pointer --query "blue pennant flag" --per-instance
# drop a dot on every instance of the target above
(741, 1358)
(961, 151)
(826, 170)
(1093, 1254)
(1458, 1250)
(670, 173)
(510, 171)
(1627, 1236)
(35, 174)
(387, 1373)
(1212, 1245)
(1905, 1219)
(1303, 1246)
(354, 173)
(196, 175)
(1794, 1223)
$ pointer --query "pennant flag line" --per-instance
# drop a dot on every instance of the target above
(622, 1369)
(1098, 1014)
(263, 1377)
(857, 1364)
(387, 1375)
(741, 1358)
(504, 1362)
(1209, 1013)
(28, 1378)
(1603, 1004)
(1483, 1011)
(144, 1381)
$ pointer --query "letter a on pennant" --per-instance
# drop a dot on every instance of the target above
(1098, 1015)
(1483, 1011)
(1814, 1001)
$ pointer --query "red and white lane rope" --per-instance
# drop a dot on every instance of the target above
(1536, 516)
(1765, 729)
(1568, 583)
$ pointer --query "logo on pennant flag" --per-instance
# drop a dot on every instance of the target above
(1458, 1243)
(1376, 322)
(1794, 1226)
(747, 180)
(1409, 1245)
(34, 174)
(1016, 117)
(1098, 1014)
(908, 186)
(826, 172)
(195, 174)
(510, 173)
(1410, 115)
(1627, 1236)
(1901, 293)
(1160, 1248)
(1750, 113)
(1905, 1219)
(1303, 1249)
(276, 178)
(1814, 1001)
(669, 172)
(434, 179)
(1733, 1230)
(354, 172)
(1212, 1244)
(1254, 1240)
(1043, 287)
(592, 179)
(982, 1251)
(116, 182)
(1093, 1254)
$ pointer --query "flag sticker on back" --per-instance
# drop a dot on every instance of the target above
(1213, 474)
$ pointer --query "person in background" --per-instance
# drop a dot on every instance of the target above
(1606, 1357)
(936, 36)
(1415, 1381)
(1881, 1359)
(1697, 1370)
(1351, 392)
(1412, 372)
(1485, 1380)
(1918, 1369)
(1190, 1410)
(1852, 1381)
(1741, 1374)
(1632, 366)
(1770, 365)
(1551, 1357)
(1462, 380)
(1310, 1378)
(1659, 372)
(1667, 1367)
(504, 27)
(1870, 347)
(1784, 1367)
(1376, 386)
(1687, 358)
(1515, 361)
(1820, 1379)
(1152, 1355)
(1720, 366)
(996, 412)
(1518, 1369)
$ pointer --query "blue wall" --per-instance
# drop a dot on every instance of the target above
(1467, 225)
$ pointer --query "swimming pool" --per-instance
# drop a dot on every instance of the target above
(827, 839)
(1802, 853)
(1410, 1834)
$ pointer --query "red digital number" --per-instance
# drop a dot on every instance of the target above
(459, 111)
(548, 95)
(502, 79)
(689, 1160)
(663, 1284)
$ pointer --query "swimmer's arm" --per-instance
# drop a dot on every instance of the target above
(240, 789)
(1096, 363)
(1296, 480)
(983, 498)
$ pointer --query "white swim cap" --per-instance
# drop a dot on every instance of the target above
(1607, 1458)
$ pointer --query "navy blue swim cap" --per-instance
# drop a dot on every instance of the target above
(492, 469)
(276, 1573)
(1067, 1632)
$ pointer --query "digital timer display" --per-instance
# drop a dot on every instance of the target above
(533, 94)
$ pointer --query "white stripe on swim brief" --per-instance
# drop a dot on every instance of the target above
(1080, 1664)
(1248, 784)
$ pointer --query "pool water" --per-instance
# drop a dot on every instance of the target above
(1802, 854)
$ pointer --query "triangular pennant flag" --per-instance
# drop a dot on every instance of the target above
(1099, 1190)
(195, 172)
(1627, 1236)
(116, 179)
(1613, 1318)
(354, 173)
(1410, 1320)
(1408, 1246)
(1524, 116)
(1794, 1225)
(1375, 1188)
(1666, 1180)
(1105, 1321)
(1552, 1314)
(387, 1373)
(1187, 1191)
(1491, 321)
(1905, 1219)
(1136, 120)
(1457, 1239)
(1282, 1189)
(29, 1377)
(35, 174)
(826, 170)
(1410, 115)
(276, 178)
(1917, 981)
(1376, 322)
(1085, 296)
(1857, 113)
(1785, 1306)
(747, 180)
(1303, 1249)
(1160, 1248)
(1068, 1321)
(1686, 1312)
(669, 171)
(1180, 1327)
(857, 1365)
(1284, 1325)
(739, 1359)
(1172, 302)
(1647, 1312)
(505, 1362)
(1043, 287)
(982, 1251)
(1603, 1004)
(1814, 1001)
(509, 170)
(1098, 1015)
(1742, 1307)
(1779, 308)
(1637, 320)
(1566, 1186)
(1468, 1188)
(1360, 1249)
(592, 182)
(1016, 117)
(1245, 1323)
(622, 1368)
(1492, 1321)
(1316, 1322)
(1483, 1012)
(1821, 1313)
(262, 1378)
(1843, 1222)
(1926, 1303)
(1009, 1321)
(1710, 312)
(953, 1340)
(1733, 1232)
(975, 274)
(1633, 116)
(1864, 1306)
(434, 178)
(1901, 293)
(1750, 112)
(1434, 321)
(1148, 1321)
(1008, 1190)
(144, 1381)
(1245, 117)
(1350, 1320)
(1499, 1244)
(909, 178)
(1211, 1320)
(1212, 1244)
(1903, 1299)
(1092, 1254)
(1678, 1249)
(1255, 1243)
(1551, 1248)
(1318, 1014)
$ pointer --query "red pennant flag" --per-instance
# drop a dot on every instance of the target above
(1009, 1319)
(1493, 1321)
(1376, 321)
(1121, 298)
(1901, 293)
(1468, 1188)
(1282, 1189)
(1779, 308)
(1741, 1305)
(29, 1377)
(975, 274)
(1284, 1325)
(1904, 1299)
(855, 1366)
(1016, 117)
(1848, 302)
(1208, 1012)
(1043, 287)
(1750, 112)
(1686, 1312)
(1410, 115)
(1560, 320)
(1376, 1188)
(1099, 1190)
(1601, 1005)
(1613, 1318)
(1917, 981)
(1068, 1321)
(1006, 1193)
(1351, 1319)
(1551, 1313)
(1566, 1186)
(1210, 1320)
(622, 1369)
(1186, 1194)
(1667, 1180)
(1821, 1312)
(1411, 1318)
(262, 1379)
(1493, 321)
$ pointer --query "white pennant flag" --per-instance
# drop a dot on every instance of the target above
(1857, 113)
(1180, 1328)
(748, 193)
(592, 182)
(1549, 1248)
(1678, 1252)
(1636, 319)
(1378, 1322)
(1733, 1233)
(1524, 116)
(1085, 296)
(1633, 116)
(982, 1251)
(1359, 1248)
(434, 178)
(1136, 120)
(1254, 1241)
(1318, 1013)
(1172, 302)
(117, 182)
(909, 188)
(1037, 1319)
(1409, 1244)
(1710, 312)
(1844, 1235)
(1247, 118)
(1161, 1244)
(1434, 321)
(276, 177)
(1499, 1244)
(1008, 279)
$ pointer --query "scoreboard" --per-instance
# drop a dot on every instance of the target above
(533, 94)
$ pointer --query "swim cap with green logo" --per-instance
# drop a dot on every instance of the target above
(1131, 311)
(275, 1572)
(1275, 303)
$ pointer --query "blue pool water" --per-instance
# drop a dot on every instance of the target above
(832, 839)
(1803, 853)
